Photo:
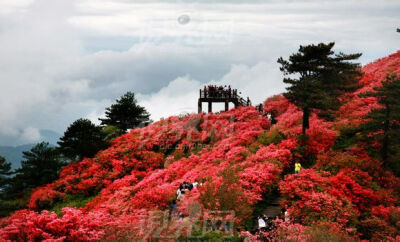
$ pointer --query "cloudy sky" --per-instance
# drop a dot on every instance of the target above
(61, 60)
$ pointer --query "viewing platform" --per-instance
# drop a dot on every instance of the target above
(213, 94)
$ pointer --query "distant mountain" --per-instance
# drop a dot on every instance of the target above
(49, 136)
(13, 154)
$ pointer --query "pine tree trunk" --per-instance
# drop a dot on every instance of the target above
(306, 120)
(385, 141)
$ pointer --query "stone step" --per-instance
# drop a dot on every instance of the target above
(272, 211)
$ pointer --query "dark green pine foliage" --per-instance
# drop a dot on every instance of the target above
(317, 77)
(384, 122)
(126, 113)
(39, 166)
(82, 139)
(5, 172)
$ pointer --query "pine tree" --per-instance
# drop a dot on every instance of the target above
(40, 166)
(82, 139)
(317, 78)
(126, 113)
(384, 122)
(5, 172)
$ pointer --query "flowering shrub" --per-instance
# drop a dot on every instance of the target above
(272, 153)
(334, 161)
(321, 206)
(44, 197)
(288, 231)
(344, 186)
(73, 226)
(303, 184)
(340, 198)
(320, 231)
(378, 229)
(259, 179)
(225, 194)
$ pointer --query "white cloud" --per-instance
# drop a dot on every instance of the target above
(180, 96)
(12, 6)
(224, 22)
(176, 98)
(30, 135)
(35, 44)
(258, 82)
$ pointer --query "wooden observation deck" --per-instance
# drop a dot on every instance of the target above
(221, 96)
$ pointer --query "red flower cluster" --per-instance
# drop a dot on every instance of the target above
(27, 225)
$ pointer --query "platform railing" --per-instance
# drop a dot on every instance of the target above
(218, 94)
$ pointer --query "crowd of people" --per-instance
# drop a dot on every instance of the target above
(180, 193)
(219, 91)
(213, 91)
(185, 187)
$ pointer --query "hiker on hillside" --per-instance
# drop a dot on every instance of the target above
(272, 117)
(189, 186)
(174, 210)
(260, 107)
(269, 223)
(179, 194)
(184, 187)
(297, 167)
(286, 216)
(181, 191)
(261, 223)
(195, 184)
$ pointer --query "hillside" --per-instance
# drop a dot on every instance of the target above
(241, 162)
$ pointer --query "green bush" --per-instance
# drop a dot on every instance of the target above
(272, 136)
(7, 207)
(217, 236)
(347, 138)
(111, 132)
(72, 201)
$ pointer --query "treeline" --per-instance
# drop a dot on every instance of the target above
(41, 165)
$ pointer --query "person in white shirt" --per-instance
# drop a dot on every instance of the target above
(179, 194)
(287, 217)
(261, 223)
